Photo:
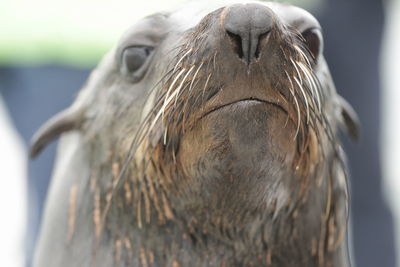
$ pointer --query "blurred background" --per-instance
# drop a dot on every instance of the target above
(47, 49)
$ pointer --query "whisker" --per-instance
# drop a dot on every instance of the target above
(206, 84)
(297, 70)
(181, 59)
(298, 49)
(317, 87)
(296, 103)
(162, 110)
(195, 75)
(170, 88)
(309, 80)
(304, 97)
(215, 57)
(183, 81)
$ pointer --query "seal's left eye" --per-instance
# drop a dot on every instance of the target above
(133, 58)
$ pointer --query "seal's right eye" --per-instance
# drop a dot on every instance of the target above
(312, 39)
(134, 59)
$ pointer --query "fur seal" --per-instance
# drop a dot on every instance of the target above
(207, 137)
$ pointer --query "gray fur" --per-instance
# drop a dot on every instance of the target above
(199, 160)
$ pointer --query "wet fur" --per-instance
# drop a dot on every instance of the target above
(152, 201)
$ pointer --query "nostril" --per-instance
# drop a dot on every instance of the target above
(262, 39)
(236, 42)
(247, 26)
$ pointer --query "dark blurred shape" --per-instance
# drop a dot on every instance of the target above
(353, 34)
(33, 95)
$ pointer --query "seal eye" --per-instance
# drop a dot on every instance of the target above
(133, 58)
(312, 39)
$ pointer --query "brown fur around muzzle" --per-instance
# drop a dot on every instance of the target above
(219, 149)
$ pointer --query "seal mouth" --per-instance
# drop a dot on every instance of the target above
(245, 101)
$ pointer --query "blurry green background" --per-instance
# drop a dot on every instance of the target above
(71, 32)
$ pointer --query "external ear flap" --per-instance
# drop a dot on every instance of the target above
(67, 120)
(349, 121)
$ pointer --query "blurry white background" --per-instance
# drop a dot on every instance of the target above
(390, 134)
(12, 193)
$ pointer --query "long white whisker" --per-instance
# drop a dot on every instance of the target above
(309, 79)
(180, 60)
(297, 70)
(205, 85)
(181, 85)
(305, 98)
(297, 105)
(303, 54)
(195, 75)
(161, 111)
(170, 88)
(314, 78)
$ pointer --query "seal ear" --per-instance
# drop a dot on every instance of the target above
(67, 120)
(349, 121)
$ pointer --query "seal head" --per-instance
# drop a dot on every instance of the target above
(208, 136)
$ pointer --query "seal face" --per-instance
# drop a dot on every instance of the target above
(207, 137)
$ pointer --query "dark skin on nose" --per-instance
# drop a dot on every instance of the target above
(247, 25)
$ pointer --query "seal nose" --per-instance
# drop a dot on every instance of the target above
(247, 26)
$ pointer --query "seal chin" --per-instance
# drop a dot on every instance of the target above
(241, 147)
